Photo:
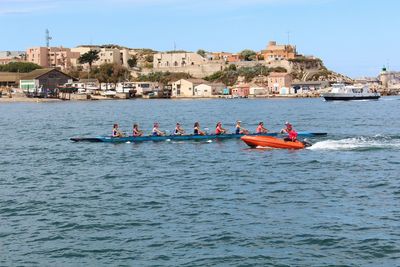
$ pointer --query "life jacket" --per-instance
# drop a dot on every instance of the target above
(218, 130)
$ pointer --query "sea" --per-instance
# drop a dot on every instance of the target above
(200, 203)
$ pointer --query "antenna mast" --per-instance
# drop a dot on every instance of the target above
(48, 38)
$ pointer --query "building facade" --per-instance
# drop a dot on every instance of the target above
(241, 90)
(106, 55)
(52, 57)
(279, 52)
(276, 81)
(186, 87)
(43, 82)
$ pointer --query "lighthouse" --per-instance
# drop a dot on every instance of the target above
(384, 78)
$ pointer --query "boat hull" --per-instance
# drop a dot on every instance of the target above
(270, 141)
(132, 139)
(344, 97)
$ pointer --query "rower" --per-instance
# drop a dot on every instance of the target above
(219, 130)
(178, 129)
(196, 129)
(261, 129)
(136, 131)
(239, 129)
(116, 132)
(287, 129)
(156, 131)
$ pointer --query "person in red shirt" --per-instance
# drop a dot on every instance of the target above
(261, 128)
(219, 130)
(293, 135)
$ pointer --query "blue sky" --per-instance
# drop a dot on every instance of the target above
(353, 37)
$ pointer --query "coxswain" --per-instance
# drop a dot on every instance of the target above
(219, 130)
(239, 129)
(261, 129)
(196, 129)
(136, 131)
(156, 131)
(178, 129)
(116, 132)
(287, 129)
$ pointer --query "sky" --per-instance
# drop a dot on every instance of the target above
(352, 37)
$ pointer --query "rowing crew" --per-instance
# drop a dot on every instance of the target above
(197, 130)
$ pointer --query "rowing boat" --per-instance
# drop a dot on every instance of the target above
(273, 142)
(134, 139)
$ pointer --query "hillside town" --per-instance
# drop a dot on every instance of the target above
(115, 72)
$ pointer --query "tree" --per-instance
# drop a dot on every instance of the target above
(89, 57)
(201, 52)
(112, 73)
(247, 55)
(19, 67)
(132, 62)
(149, 58)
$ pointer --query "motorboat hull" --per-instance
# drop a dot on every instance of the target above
(270, 141)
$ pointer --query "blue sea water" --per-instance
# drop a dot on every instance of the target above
(192, 203)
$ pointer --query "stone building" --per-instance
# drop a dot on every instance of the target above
(278, 52)
(188, 62)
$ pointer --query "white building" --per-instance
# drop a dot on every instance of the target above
(203, 90)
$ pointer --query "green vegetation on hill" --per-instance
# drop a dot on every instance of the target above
(163, 77)
(302, 59)
(247, 55)
(177, 51)
(229, 75)
(22, 67)
(107, 72)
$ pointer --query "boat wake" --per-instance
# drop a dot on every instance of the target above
(359, 143)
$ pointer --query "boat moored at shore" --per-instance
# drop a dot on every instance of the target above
(350, 92)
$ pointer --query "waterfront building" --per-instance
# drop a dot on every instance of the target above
(241, 90)
(143, 88)
(52, 57)
(279, 52)
(305, 86)
(45, 80)
(185, 87)
(208, 89)
(278, 80)
(9, 79)
(257, 90)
